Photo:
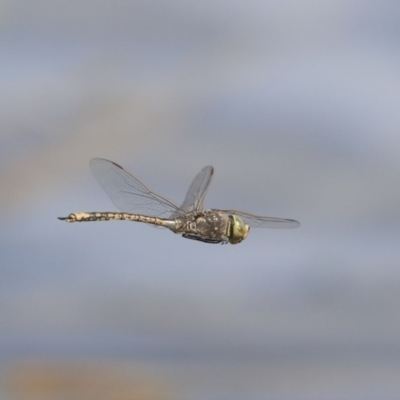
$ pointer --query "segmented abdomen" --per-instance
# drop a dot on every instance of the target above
(108, 216)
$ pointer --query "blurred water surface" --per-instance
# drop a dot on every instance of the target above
(295, 105)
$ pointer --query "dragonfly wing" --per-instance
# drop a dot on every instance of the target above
(256, 221)
(128, 193)
(195, 196)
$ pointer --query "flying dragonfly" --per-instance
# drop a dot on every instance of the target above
(141, 204)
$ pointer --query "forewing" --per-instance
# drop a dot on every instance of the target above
(256, 221)
(195, 196)
(128, 193)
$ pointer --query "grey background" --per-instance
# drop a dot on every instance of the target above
(295, 104)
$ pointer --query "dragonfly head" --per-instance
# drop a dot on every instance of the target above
(238, 230)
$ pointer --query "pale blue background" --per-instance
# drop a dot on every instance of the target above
(295, 104)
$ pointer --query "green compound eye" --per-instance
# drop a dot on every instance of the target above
(239, 230)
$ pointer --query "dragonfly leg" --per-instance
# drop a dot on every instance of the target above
(202, 239)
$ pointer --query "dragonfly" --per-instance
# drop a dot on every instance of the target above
(141, 204)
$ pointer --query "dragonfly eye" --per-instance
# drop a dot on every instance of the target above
(238, 229)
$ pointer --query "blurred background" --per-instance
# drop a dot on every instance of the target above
(296, 105)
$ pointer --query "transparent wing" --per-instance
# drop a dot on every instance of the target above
(256, 221)
(197, 191)
(128, 193)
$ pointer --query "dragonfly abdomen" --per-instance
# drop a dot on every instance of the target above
(110, 216)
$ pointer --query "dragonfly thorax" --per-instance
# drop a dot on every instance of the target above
(212, 226)
(207, 224)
